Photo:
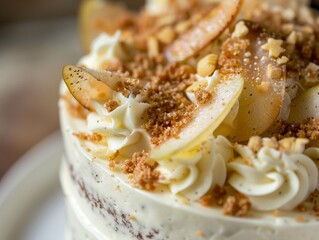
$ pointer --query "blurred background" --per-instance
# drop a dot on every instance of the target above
(37, 37)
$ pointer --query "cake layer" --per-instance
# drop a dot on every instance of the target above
(102, 204)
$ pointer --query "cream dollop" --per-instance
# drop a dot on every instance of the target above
(122, 126)
(104, 48)
(271, 178)
(194, 171)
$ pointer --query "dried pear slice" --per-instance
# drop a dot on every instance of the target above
(88, 84)
(208, 29)
(263, 94)
(305, 106)
(207, 119)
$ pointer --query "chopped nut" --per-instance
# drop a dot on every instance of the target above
(197, 86)
(282, 60)
(183, 26)
(273, 46)
(263, 87)
(152, 47)
(288, 14)
(292, 38)
(255, 143)
(287, 28)
(241, 30)
(207, 65)
(273, 72)
(166, 35)
(311, 75)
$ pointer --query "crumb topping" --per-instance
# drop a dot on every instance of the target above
(111, 105)
(92, 137)
(238, 207)
(308, 129)
(142, 171)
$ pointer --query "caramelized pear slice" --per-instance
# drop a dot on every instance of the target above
(263, 94)
(208, 117)
(88, 84)
(207, 30)
(305, 106)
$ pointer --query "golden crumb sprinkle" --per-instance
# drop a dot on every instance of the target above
(203, 97)
(274, 47)
(236, 206)
(308, 129)
(92, 137)
(255, 143)
(111, 105)
(200, 234)
(142, 170)
(300, 219)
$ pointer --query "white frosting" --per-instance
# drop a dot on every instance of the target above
(273, 179)
(194, 171)
(122, 126)
(104, 48)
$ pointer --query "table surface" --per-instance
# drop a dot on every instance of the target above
(31, 58)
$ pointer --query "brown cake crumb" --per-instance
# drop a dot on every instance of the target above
(111, 105)
(200, 234)
(300, 219)
(308, 129)
(276, 213)
(216, 197)
(236, 206)
(203, 97)
(142, 170)
(302, 208)
(92, 137)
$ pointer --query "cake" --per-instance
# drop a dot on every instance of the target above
(195, 120)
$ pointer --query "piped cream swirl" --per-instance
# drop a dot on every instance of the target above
(194, 171)
(104, 48)
(122, 126)
(274, 179)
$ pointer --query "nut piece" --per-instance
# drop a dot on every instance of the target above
(183, 26)
(166, 35)
(152, 47)
(207, 65)
(273, 72)
(273, 46)
(255, 143)
(292, 38)
(241, 30)
(282, 60)
(263, 87)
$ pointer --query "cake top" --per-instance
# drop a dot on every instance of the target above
(215, 101)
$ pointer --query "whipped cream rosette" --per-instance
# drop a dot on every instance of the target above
(274, 178)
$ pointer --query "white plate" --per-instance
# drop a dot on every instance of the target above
(31, 201)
